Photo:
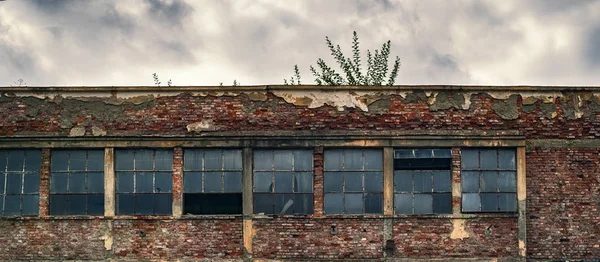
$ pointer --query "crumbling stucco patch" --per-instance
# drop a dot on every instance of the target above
(204, 125)
(310, 99)
(458, 229)
(446, 100)
(507, 109)
(77, 131)
(97, 131)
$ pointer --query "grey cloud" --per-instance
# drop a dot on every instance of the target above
(173, 12)
(592, 47)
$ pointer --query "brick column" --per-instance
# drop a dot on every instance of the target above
(456, 182)
(177, 182)
(45, 183)
(318, 181)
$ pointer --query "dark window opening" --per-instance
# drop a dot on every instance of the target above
(19, 182)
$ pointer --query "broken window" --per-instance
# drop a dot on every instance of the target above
(19, 182)
(489, 180)
(77, 182)
(353, 181)
(283, 181)
(422, 181)
(144, 181)
(212, 181)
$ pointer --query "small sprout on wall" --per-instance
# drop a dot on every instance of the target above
(19, 82)
(156, 81)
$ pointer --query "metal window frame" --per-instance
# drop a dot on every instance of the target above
(222, 171)
(23, 172)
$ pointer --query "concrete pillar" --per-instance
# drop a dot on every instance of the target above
(388, 181)
(522, 201)
(44, 183)
(247, 196)
(177, 182)
(109, 182)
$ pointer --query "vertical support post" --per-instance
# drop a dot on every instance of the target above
(45, 183)
(456, 181)
(177, 182)
(109, 182)
(522, 201)
(247, 208)
(388, 181)
(318, 182)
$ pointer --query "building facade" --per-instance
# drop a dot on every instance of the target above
(248, 173)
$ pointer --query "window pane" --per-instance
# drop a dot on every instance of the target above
(144, 204)
(233, 182)
(333, 182)
(506, 159)
(283, 182)
(263, 203)
(303, 182)
(202, 204)
(125, 204)
(163, 204)
(163, 182)
(263, 182)
(77, 204)
(33, 160)
(143, 182)
(95, 160)
(470, 159)
(423, 203)
(353, 160)
(488, 159)
(164, 160)
(403, 181)
(442, 153)
(353, 182)
(403, 204)
(58, 183)
(284, 204)
(95, 205)
(77, 183)
(124, 159)
(489, 181)
(232, 159)
(333, 160)
(507, 202)
(1, 188)
(333, 204)
(212, 182)
(2, 166)
(31, 205)
(192, 182)
(442, 203)
(192, 159)
(470, 181)
(442, 181)
(373, 182)
(1, 204)
(95, 182)
(303, 160)
(125, 182)
(12, 205)
(15, 160)
(373, 203)
(77, 160)
(423, 153)
(263, 160)
(489, 202)
(373, 160)
(422, 182)
(471, 202)
(213, 159)
(59, 205)
(143, 159)
(403, 153)
(303, 204)
(353, 203)
(283, 159)
(32, 184)
(13, 183)
(507, 182)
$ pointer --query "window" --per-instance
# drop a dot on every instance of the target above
(422, 181)
(77, 182)
(144, 181)
(353, 181)
(489, 180)
(19, 182)
(283, 181)
(212, 181)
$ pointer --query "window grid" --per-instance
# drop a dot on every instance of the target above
(29, 172)
(504, 197)
(159, 197)
(222, 170)
(291, 196)
(64, 199)
(367, 169)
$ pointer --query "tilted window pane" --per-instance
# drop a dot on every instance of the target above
(211, 204)
(373, 203)
(423, 153)
(263, 182)
(284, 204)
(442, 203)
(303, 182)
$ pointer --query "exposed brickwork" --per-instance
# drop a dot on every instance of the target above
(177, 174)
(456, 199)
(318, 182)
(563, 203)
(285, 238)
(45, 183)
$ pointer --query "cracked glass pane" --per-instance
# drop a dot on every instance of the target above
(163, 182)
(283, 182)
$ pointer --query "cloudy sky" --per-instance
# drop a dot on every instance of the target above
(205, 42)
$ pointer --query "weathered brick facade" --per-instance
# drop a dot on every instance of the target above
(554, 131)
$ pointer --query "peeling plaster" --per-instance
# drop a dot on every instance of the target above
(77, 131)
(97, 131)
(204, 125)
(458, 229)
